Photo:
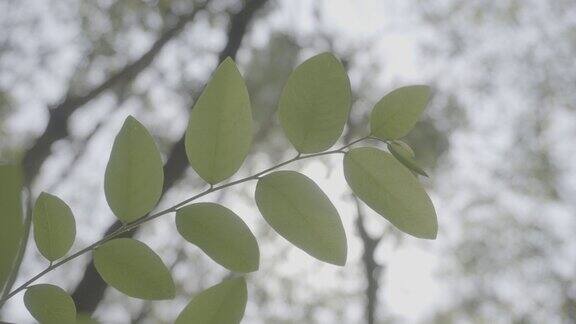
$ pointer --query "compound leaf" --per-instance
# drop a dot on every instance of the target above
(134, 175)
(221, 304)
(315, 103)
(300, 212)
(219, 132)
(391, 190)
(221, 234)
(397, 112)
(54, 226)
(50, 304)
(11, 226)
(134, 269)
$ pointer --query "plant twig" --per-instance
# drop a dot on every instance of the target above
(130, 226)
(90, 290)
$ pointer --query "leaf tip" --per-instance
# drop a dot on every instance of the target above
(43, 195)
(228, 63)
(327, 56)
(228, 60)
(131, 122)
(430, 233)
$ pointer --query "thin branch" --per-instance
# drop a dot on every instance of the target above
(84, 144)
(57, 127)
(371, 267)
(130, 226)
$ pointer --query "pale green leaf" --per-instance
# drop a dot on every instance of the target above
(11, 226)
(134, 269)
(404, 153)
(54, 226)
(221, 234)
(221, 304)
(50, 304)
(219, 132)
(391, 190)
(299, 211)
(134, 174)
(315, 104)
(397, 112)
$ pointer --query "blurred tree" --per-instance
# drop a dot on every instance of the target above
(80, 67)
(508, 64)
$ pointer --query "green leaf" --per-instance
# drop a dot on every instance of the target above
(219, 133)
(391, 190)
(54, 226)
(134, 269)
(315, 104)
(134, 174)
(11, 226)
(50, 304)
(221, 304)
(299, 211)
(404, 153)
(221, 234)
(397, 112)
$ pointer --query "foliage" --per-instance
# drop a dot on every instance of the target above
(313, 110)
(54, 226)
(50, 304)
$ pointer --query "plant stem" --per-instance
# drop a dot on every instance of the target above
(129, 226)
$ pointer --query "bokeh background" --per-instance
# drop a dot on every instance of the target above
(498, 141)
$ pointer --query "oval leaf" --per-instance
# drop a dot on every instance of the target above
(315, 104)
(50, 304)
(397, 112)
(134, 174)
(54, 226)
(221, 234)
(134, 269)
(391, 190)
(221, 304)
(404, 153)
(299, 211)
(219, 132)
(11, 226)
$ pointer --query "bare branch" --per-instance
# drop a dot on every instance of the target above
(57, 127)
(371, 267)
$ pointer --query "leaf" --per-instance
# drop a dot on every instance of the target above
(221, 304)
(50, 304)
(54, 226)
(134, 174)
(300, 212)
(397, 112)
(11, 227)
(219, 133)
(404, 153)
(221, 234)
(315, 104)
(391, 190)
(134, 269)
